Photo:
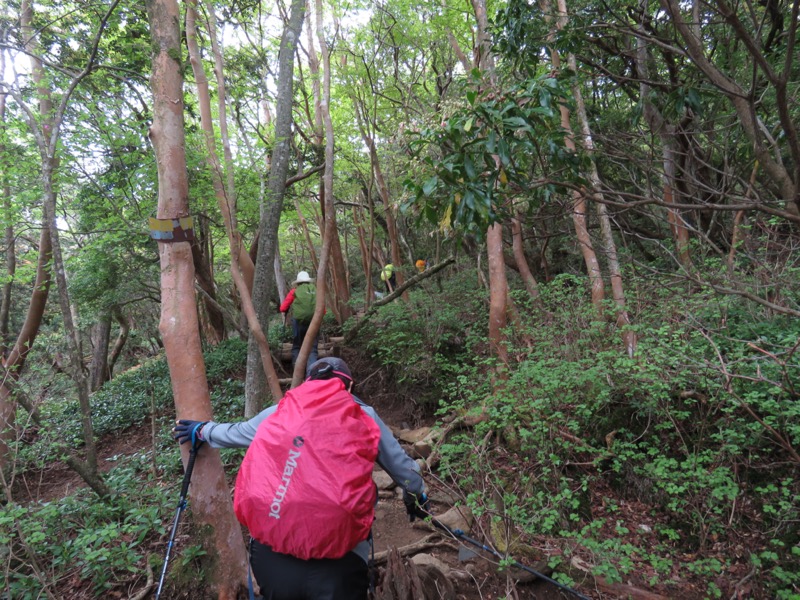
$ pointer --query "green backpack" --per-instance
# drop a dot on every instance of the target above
(305, 301)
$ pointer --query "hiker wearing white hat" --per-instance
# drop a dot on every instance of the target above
(302, 299)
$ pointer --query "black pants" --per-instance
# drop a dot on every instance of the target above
(284, 577)
(299, 329)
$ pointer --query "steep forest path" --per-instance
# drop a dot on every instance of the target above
(446, 568)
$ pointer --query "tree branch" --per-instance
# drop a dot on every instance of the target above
(351, 335)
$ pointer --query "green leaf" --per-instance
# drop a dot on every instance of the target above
(469, 167)
(693, 101)
(491, 142)
(516, 123)
(429, 186)
(503, 151)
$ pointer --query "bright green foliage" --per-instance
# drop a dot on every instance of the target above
(101, 543)
(661, 429)
(421, 340)
(486, 151)
(104, 543)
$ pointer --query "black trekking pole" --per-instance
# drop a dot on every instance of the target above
(181, 506)
(461, 535)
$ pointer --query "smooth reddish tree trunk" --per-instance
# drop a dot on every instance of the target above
(498, 283)
(211, 500)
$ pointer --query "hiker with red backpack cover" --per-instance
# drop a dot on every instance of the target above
(305, 488)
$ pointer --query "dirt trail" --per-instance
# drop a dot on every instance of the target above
(474, 575)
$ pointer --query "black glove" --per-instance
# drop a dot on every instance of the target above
(417, 505)
(189, 431)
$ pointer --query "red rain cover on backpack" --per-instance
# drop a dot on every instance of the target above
(305, 485)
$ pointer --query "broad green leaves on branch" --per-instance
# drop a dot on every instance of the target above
(501, 145)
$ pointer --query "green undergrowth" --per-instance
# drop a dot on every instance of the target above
(103, 547)
(418, 341)
(670, 467)
(84, 546)
(697, 430)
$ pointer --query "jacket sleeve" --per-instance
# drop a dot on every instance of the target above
(234, 435)
(403, 470)
(287, 302)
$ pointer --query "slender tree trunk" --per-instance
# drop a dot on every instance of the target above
(737, 235)
(609, 246)
(211, 501)
(264, 281)
(10, 241)
(214, 320)
(339, 292)
(365, 256)
(280, 278)
(579, 218)
(330, 214)
(101, 337)
(307, 235)
(14, 362)
(338, 270)
(498, 283)
(666, 133)
(498, 293)
(122, 338)
(367, 126)
(226, 198)
(519, 257)
(11, 269)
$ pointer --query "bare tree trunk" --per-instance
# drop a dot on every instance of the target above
(498, 283)
(226, 198)
(737, 234)
(264, 281)
(14, 362)
(11, 269)
(10, 242)
(338, 270)
(101, 337)
(609, 246)
(365, 256)
(498, 293)
(330, 214)
(519, 257)
(211, 501)
(214, 319)
(579, 218)
(304, 225)
(122, 338)
(339, 292)
(665, 132)
(367, 126)
(280, 278)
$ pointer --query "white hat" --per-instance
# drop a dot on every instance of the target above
(302, 277)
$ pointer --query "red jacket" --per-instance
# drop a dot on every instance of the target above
(287, 302)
